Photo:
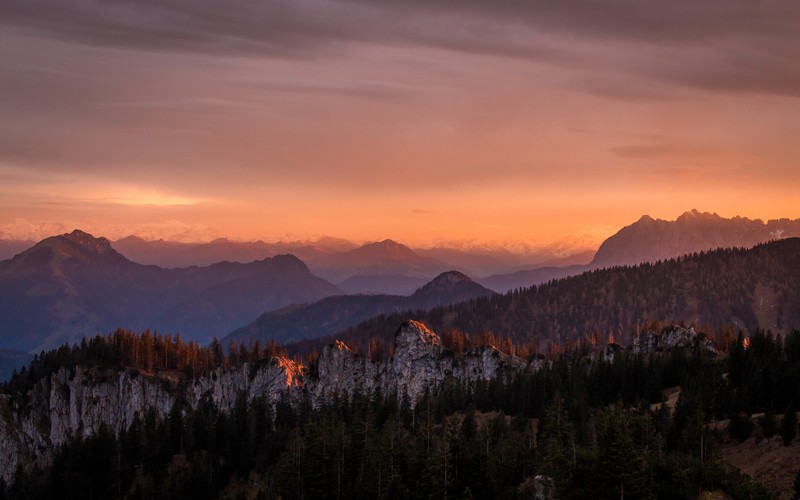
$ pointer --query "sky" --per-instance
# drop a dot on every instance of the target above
(509, 121)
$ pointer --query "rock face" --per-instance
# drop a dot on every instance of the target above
(419, 363)
(649, 240)
(79, 402)
(670, 337)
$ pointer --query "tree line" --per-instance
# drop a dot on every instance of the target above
(594, 427)
(719, 292)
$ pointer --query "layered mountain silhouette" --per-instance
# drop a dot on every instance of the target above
(528, 277)
(10, 248)
(649, 240)
(336, 313)
(393, 284)
(73, 285)
(385, 257)
(733, 289)
(173, 254)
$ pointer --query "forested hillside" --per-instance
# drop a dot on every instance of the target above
(585, 426)
(333, 314)
(721, 292)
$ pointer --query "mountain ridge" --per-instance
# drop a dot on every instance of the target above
(649, 239)
(727, 288)
(331, 314)
(74, 285)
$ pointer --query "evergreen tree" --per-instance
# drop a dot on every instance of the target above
(558, 443)
(768, 425)
(788, 428)
(796, 495)
(740, 426)
(620, 463)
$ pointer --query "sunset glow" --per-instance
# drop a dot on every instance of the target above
(521, 123)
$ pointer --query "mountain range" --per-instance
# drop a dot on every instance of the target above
(385, 257)
(726, 289)
(649, 240)
(336, 313)
(175, 254)
(73, 285)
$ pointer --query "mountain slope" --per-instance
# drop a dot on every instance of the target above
(333, 314)
(73, 285)
(384, 257)
(737, 288)
(175, 254)
(392, 284)
(649, 240)
(526, 278)
(172, 254)
(10, 248)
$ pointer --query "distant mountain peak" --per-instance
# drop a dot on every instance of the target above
(452, 283)
(693, 231)
(68, 248)
(695, 214)
(86, 240)
(451, 278)
(132, 238)
(289, 259)
(80, 245)
(645, 219)
(389, 247)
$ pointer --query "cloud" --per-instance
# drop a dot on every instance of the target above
(361, 89)
(666, 149)
(736, 45)
(172, 230)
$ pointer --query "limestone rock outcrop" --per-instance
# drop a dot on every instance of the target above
(79, 401)
(669, 338)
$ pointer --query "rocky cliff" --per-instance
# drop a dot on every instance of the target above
(670, 338)
(77, 402)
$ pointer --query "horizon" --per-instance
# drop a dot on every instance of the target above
(24, 231)
(517, 123)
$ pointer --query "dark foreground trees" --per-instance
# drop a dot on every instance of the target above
(596, 428)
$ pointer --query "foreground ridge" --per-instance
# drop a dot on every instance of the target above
(81, 400)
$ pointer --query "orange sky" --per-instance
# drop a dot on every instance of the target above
(528, 122)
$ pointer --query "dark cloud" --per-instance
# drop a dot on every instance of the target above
(292, 93)
(285, 25)
(729, 45)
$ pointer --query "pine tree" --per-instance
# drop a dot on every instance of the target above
(620, 461)
(768, 424)
(788, 428)
(796, 495)
(740, 426)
